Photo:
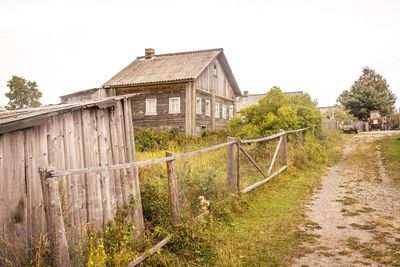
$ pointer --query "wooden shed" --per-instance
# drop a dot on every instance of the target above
(67, 136)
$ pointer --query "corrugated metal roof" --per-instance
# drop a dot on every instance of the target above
(174, 67)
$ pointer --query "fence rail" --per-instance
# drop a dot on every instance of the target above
(234, 148)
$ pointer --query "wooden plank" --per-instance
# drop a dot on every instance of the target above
(116, 159)
(275, 154)
(284, 151)
(253, 161)
(297, 131)
(102, 126)
(173, 189)
(122, 154)
(151, 251)
(15, 209)
(70, 163)
(89, 148)
(267, 138)
(95, 154)
(55, 221)
(42, 156)
(231, 165)
(133, 172)
(80, 162)
(255, 185)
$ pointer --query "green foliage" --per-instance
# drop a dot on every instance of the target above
(274, 112)
(342, 114)
(117, 245)
(369, 92)
(22, 94)
(154, 139)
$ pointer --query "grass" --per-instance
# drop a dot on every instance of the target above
(390, 148)
(263, 230)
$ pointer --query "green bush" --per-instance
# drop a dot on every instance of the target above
(274, 112)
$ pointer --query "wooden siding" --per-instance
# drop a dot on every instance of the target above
(86, 95)
(203, 120)
(80, 138)
(220, 83)
(162, 93)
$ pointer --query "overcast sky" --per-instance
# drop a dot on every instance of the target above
(318, 47)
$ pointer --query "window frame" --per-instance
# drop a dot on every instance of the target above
(207, 108)
(215, 70)
(170, 111)
(149, 112)
(224, 112)
(217, 110)
(199, 109)
(231, 111)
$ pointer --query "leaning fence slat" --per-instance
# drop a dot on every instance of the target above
(139, 163)
(275, 154)
(150, 251)
(255, 185)
(253, 161)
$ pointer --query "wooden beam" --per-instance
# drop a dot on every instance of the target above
(255, 185)
(267, 138)
(275, 154)
(55, 220)
(173, 189)
(150, 251)
(231, 164)
(252, 161)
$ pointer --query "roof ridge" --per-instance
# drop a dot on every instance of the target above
(187, 52)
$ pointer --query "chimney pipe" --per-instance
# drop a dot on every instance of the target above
(148, 53)
(246, 93)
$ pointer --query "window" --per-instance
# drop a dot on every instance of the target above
(224, 111)
(230, 111)
(174, 105)
(208, 108)
(215, 70)
(217, 115)
(198, 106)
(151, 106)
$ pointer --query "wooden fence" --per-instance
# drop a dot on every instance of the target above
(234, 149)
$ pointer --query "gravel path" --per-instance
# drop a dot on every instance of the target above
(355, 216)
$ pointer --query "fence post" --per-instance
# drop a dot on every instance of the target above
(54, 219)
(173, 188)
(232, 165)
(284, 149)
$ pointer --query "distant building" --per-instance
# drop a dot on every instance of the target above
(328, 111)
(248, 100)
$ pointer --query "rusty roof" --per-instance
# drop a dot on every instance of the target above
(173, 67)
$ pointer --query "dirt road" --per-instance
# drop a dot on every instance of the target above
(355, 216)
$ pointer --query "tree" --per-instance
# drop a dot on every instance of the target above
(276, 111)
(369, 92)
(22, 94)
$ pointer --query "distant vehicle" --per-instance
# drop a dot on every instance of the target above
(376, 121)
(349, 127)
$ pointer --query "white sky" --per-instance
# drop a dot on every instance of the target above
(318, 47)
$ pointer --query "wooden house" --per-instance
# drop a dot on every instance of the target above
(187, 91)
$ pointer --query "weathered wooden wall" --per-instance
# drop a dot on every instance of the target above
(80, 138)
(86, 95)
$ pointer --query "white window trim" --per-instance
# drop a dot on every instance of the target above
(217, 110)
(148, 101)
(199, 108)
(224, 111)
(208, 108)
(231, 111)
(170, 111)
